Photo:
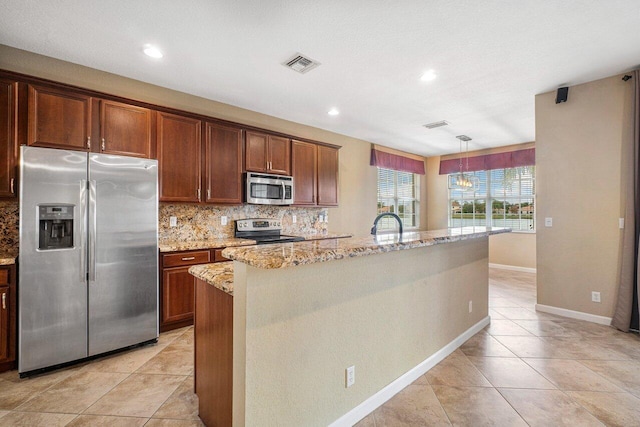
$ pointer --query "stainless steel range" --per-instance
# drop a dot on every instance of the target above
(263, 230)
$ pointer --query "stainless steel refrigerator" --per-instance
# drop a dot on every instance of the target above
(88, 264)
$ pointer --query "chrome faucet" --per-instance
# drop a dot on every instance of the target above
(374, 229)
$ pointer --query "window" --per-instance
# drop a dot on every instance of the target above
(398, 193)
(505, 198)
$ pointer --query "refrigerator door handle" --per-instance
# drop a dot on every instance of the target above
(92, 230)
(83, 232)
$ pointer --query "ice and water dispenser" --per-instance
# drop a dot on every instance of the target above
(56, 226)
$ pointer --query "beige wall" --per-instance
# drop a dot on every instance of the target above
(578, 162)
(513, 249)
(297, 329)
(358, 186)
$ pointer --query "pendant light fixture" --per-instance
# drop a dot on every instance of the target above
(464, 181)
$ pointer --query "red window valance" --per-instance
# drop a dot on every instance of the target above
(386, 160)
(510, 159)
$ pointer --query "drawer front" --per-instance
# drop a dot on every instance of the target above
(186, 258)
(217, 255)
(4, 276)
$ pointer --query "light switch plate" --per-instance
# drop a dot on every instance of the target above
(548, 222)
(223, 220)
(294, 219)
(173, 221)
(621, 223)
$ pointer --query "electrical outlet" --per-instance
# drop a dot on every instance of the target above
(470, 306)
(548, 222)
(223, 220)
(294, 219)
(173, 221)
(350, 376)
(595, 296)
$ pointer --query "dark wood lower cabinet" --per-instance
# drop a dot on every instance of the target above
(213, 336)
(177, 285)
(177, 296)
(8, 326)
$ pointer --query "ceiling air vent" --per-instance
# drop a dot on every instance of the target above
(436, 124)
(301, 63)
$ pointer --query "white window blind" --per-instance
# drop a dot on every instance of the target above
(398, 192)
(505, 198)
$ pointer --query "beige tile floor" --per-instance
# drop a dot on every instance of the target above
(526, 368)
(149, 386)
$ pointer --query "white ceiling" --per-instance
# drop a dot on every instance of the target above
(491, 57)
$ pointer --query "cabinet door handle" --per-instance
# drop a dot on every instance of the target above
(188, 258)
(198, 194)
(4, 300)
(89, 143)
(102, 144)
(208, 193)
(12, 190)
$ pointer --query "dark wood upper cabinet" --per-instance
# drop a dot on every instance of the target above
(8, 138)
(327, 176)
(304, 169)
(179, 154)
(125, 129)
(267, 153)
(279, 155)
(200, 159)
(58, 118)
(223, 160)
(256, 152)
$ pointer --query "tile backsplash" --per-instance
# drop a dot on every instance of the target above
(9, 231)
(202, 222)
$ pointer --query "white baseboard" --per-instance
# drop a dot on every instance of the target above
(602, 320)
(373, 402)
(512, 268)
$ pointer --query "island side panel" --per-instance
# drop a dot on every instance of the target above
(213, 336)
(384, 314)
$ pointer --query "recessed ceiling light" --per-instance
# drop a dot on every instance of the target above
(152, 51)
(333, 112)
(428, 76)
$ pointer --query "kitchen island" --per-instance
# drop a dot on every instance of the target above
(273, 344)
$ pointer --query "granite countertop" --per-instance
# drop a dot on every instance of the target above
(8, 255)
(284, 255)
(189, 245)
(310, 236)
(219, 275)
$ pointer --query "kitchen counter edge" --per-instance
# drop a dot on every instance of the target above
(219, 275)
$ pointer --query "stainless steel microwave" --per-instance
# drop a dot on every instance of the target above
(267, 189)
